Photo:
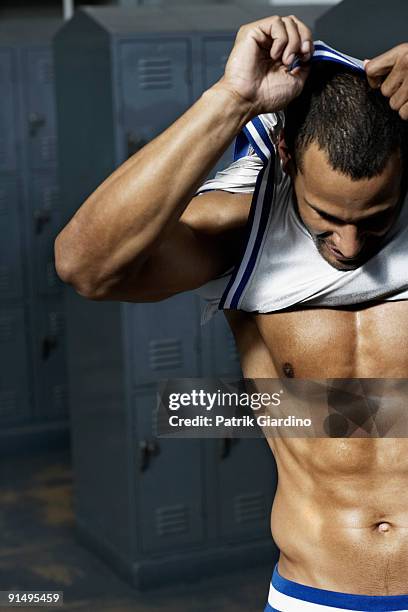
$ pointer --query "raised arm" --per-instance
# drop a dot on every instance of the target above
(140, 236)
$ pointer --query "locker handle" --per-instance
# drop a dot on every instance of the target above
(148, 449)
(49, 343)
(42, 216)
(35, 121)
(226, 446)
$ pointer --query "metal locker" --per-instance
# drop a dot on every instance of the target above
(215, 52)
(169, 482)
(155, 87)
(11, 269)
(44, 224)
(8, 107)
(15, 399)
(223, 355)
(245, 489)
(215, 55)
(50, 370)
(164, 339)
(40, 108)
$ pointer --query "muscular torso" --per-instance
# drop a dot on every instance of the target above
(340, 514)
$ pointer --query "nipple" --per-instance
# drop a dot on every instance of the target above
(383, 527)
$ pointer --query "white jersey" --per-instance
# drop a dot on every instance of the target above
(280, 266)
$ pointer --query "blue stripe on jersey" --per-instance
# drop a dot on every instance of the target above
(265, 204)
(241, 146)
(263, 134)
(320, 54)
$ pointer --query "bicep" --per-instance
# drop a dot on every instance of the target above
(202, 245)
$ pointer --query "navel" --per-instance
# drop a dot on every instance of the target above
(383, 527)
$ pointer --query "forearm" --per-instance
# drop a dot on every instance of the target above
(135, 207)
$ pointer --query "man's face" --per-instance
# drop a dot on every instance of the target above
(347, 219)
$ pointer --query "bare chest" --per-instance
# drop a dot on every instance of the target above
(324, 343)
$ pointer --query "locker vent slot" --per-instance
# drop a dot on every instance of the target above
(155, 73)
(3, 202)
(165, 354)
(45, 71)
(8, 404)
(4, 278)
(249, 508)
(48, 148)
(60, 398)
(171, 520)
(56, 323)
(50, 197)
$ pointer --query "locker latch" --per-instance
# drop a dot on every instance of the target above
(42, 216)
(148, 449)
(49, 343)
(35, 121)
(226, 446)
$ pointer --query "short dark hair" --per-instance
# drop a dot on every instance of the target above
(352, 122)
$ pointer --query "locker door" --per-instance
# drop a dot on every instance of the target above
(15, 396)
(221, 356)
(164, 339)
(169, 483)
(215, 52)
(49, 358)
(44, 200)
(215, 55)
(8, 78)
(246, 484)
(40, 108)
(155, 88)
(11, 269)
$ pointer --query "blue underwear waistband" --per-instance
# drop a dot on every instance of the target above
(288, 596)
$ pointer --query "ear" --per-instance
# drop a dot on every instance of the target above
(286, 158)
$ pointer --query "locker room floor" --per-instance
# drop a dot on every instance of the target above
(40, 551)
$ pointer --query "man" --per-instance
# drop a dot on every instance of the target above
(340, 514)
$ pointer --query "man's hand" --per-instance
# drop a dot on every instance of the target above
(389, 72)
(258, 68)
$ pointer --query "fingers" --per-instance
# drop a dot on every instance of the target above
(389, 72)
(403, 112)
(280, 38)
(393, 82)
(306, 38)
(374, 82)
(293, 46)
(382, 64)
(289, 38)
(399, 100)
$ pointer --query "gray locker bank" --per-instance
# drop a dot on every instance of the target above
(385, 26)
(33, 386)
(157, 509)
